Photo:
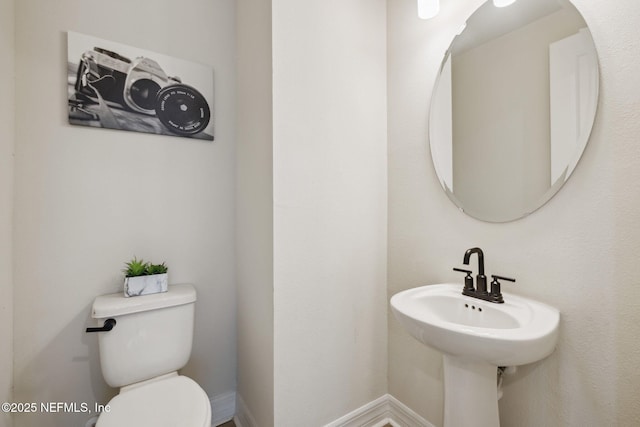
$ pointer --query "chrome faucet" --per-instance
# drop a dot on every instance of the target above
(480, 289)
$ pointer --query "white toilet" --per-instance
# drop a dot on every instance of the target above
(150, 340)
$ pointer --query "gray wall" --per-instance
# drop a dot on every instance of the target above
(7, 51)
(578, 253)
(311, 210)
(254, 201)
(330, 240)
(86, 200)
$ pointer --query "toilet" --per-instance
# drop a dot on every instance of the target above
(141, 354)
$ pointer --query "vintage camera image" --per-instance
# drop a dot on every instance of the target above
(115, 86)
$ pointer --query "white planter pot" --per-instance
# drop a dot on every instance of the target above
(144, 285)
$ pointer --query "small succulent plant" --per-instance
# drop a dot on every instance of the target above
(156, 268)
(138, 267)
(135, 267)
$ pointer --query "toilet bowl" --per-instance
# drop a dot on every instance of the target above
(149, 341)
(172, 402)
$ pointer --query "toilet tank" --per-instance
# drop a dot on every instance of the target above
(152, 336)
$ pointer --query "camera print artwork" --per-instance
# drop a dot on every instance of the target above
(115, 86)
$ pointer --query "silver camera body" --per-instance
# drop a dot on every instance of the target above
(141, 86)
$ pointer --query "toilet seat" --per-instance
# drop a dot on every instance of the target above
(177, 401)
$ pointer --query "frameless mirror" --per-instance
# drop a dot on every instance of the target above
(513, 107)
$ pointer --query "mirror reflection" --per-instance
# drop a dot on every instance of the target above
(513, 107)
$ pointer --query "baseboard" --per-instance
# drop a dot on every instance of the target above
(403, 416)
(243, 417)
(373, 414)
(380, 412)
(377, 413)
(223, 408)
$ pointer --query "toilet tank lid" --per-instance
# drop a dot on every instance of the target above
(118, 305)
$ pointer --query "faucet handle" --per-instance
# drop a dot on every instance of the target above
(468, 281)
(496, 277)
(496, 294)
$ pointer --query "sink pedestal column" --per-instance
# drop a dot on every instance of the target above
(470, 393)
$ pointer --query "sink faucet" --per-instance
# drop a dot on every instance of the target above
(481, 279)
(480, 291)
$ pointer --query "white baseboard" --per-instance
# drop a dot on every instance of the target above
(403, 416)
(223, 407)
(243, 417)
(378, 413)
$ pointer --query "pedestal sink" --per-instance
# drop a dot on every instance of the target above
(476, 337)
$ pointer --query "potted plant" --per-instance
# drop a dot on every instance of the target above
(143, 278)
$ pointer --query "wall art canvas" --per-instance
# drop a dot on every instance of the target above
(116, 86)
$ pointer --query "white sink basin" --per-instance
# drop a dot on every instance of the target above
(517, 332)
(476, 337)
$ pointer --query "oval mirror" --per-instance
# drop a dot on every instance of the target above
(513, 107)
